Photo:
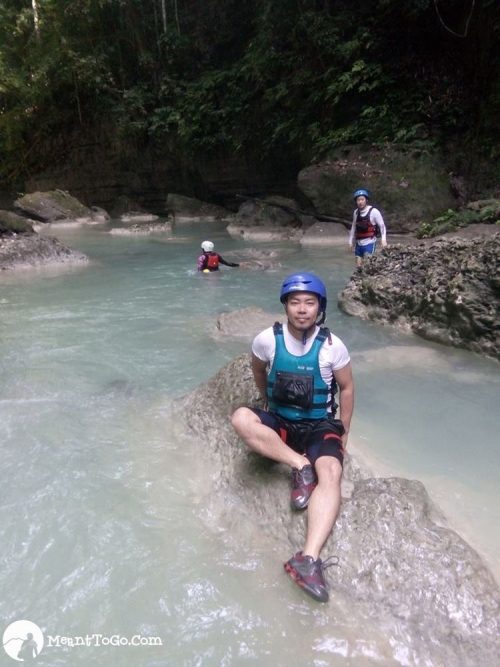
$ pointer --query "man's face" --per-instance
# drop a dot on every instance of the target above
(361, 201)
(302, 310)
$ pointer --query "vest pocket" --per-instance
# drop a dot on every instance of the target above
(293, 390)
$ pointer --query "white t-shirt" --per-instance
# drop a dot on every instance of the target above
(332, 357)
(375, 218)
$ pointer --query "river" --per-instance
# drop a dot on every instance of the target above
(102, 525)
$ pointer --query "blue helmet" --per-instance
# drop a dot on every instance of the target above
(361, 193)
(304, 282)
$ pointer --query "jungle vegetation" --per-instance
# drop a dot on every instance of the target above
(248, 76)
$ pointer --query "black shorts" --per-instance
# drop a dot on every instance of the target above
(311, 437)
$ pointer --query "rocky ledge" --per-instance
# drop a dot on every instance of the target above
(446, 291)
(401, 569)
(32, 250)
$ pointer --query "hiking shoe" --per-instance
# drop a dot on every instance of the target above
(303, 484)
(308, 574)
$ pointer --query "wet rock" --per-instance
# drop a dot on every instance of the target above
(263, 233)
(54, 206)
(244, 324)
(445, 291)
(31, 250)
(400, 567)
(137, 216)
(188, 208)
(11, 223)
(409, 185)
(142, 229)
(326, 233)
(255, 259)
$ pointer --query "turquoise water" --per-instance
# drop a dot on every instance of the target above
(102, 528)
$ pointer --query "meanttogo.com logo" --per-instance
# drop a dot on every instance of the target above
(23, 641)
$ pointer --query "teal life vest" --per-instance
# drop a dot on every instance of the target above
(295, 388)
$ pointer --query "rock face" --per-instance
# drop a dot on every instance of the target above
(269, 219)
(53, 206)
(11, 223)
(446, 291)
(326, 233)
(410, 187)
(399, 568)
(189, 208)
(32, 250)
(244, 324)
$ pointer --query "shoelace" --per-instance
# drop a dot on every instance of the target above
(331, 560)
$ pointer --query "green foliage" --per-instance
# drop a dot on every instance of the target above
(487, 212)
(254, 76)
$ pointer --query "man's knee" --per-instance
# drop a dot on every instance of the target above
(241, 418)
(328, 469)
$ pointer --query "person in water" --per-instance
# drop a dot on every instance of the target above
(367, 225)
(210, 260)
(298, 367)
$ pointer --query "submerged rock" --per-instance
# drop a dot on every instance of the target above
(400, 567)
(143, 228)
(445, 291)
(244, 324)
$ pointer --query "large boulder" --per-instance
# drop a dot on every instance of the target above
(326, 233)
(446, 291)
(188, 208)
(11, 223)
(400, 568)
(54, 206)
(273, 218)
(34, 251)
(411, 186)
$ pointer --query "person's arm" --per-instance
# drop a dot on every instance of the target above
(353, 227)
(223, 261)
(379, 221)
(345, 384)
(202, 262)
(259, 370)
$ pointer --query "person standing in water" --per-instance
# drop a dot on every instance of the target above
(367, 224)
(209, 260)
(298, 367)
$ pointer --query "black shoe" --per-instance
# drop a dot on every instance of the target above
(308, 574)
(303, 484)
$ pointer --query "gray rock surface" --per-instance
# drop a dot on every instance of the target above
(326, 233)
(410, 186)
(400, 568)
(11, 223)
(31, 250)
(142, 229)
(244, 324)
(53, 206)
(182, 207)
(271, 212)
(447, 291)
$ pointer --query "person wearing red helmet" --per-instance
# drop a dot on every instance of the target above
(298, 366)
(367, 225)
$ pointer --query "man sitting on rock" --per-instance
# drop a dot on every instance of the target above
(297, 367)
